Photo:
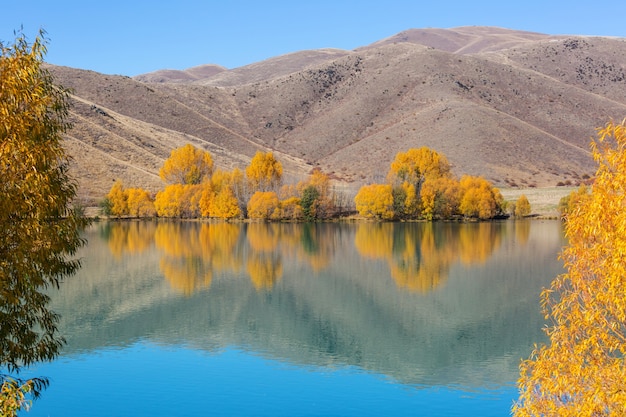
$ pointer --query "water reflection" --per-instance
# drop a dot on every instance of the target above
(419, 255)
(422, 303)
(192, 252)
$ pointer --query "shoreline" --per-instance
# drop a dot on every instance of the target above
(544, 202)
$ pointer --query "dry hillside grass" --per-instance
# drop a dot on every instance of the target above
(544, 202)
(515, 107)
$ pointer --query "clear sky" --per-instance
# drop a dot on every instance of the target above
(131, 37)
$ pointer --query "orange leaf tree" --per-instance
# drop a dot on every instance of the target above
(140, 203)
(479, 198)
(375, 201)
(117, 200)
(262, 205)
(265, 172)
(39, 230)
(522, 206)
(187, 165)
(582, 371)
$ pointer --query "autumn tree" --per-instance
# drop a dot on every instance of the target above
(187, 165)
(582, 369)
(117, 200)
(522, 207)
(265, 172)
(407, 174)
(224, 205)
(263, 205)
(567, 203)
(219, 195)
(375, 201)
(139, 202)
(39, 229)
(290, 209)
(440, 198)
(179, 200)
(479, 198)
(416, 165)
(405, 200)
(135, 202)
(317, 196)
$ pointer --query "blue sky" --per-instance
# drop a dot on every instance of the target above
(133, 37)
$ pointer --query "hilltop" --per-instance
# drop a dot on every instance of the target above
(518, 108)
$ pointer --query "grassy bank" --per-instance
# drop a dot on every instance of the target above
(544, 202)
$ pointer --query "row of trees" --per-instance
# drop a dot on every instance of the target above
(194, 189)
(420, 184)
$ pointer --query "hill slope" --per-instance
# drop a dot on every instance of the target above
(518, 108)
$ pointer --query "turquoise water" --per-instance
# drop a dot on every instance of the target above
(190, 319)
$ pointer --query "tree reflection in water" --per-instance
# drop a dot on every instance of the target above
(419, 255)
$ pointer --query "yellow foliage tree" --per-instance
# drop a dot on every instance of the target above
(407, 174)
(139, 203)
(405, 200)
(224, 205)
(290, 209)
(179, 200)
(375, 201)
(522, 206)
(316, 196)
(416, 165)
(582, 370)
(263, 205)
(479, 198)
(440, 198)
(239, 188)
(220, 197)
(187, 165)
(265, 172)
(39, 230)
(118, 200)
(567, 203)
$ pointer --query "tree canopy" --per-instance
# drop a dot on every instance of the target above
(187, 165)
(581, 371)
(39, 229)
(421, 186)
(265, 172)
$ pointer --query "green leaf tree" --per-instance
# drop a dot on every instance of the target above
(310, 196)
(39, 229)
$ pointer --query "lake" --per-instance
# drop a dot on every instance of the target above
(351, 319)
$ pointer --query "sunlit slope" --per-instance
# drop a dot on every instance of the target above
(515, 107)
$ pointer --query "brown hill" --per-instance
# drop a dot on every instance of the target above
(518, 108)
(188, 75)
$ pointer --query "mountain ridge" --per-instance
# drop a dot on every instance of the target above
(518, 108)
